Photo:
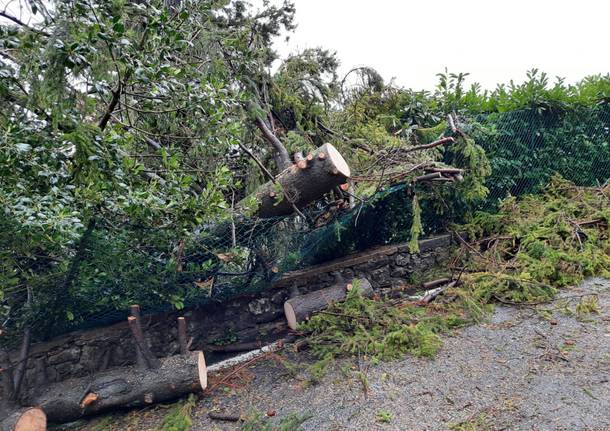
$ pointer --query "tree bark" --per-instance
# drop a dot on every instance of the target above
(22, 363)
(182, 336)
(123, 387)
(282, 156)
(300, 307)
(25, 419)
(325, 170)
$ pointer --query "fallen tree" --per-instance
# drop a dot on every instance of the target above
(123, 387)
(302, 183)
(299, 308)
(150, 380)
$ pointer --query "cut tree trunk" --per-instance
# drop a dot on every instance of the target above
(123, 387)
(300, 307)
(298, 187)
(25, 419)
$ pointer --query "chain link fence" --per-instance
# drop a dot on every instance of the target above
(123, 265)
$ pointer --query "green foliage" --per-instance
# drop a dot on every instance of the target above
(383, 416)
(588, 305)
(523, 254)
(480, 422)
(373, 328)
(548, 242)
(118, 115)
(179, 417)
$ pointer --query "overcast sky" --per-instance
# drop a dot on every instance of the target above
(493, 40)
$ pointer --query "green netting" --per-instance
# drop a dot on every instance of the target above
(527, 147)
(159, 272)
(122, 265)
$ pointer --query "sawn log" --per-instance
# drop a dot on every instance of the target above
(123, 387)
(300, 307)
(302, 183)
(25, 419)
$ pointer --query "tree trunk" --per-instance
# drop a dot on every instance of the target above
(300, 307)
(323, 171)
(123, 387)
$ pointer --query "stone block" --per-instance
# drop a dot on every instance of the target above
(401, 272)
(259, 306)
(402, 259)
(71, 354)
(280, 297)
(380, 274)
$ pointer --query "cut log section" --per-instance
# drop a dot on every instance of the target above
(325, 170)
(27, 419)
(300, 307)
(123, 387)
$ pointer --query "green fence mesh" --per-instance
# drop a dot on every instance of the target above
(152, 267)
(527, 147)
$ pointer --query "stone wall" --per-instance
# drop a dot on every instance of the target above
(243, 319)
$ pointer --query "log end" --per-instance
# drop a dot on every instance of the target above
(291, 317)
(203, 370)
(32, 419)
(338, 162)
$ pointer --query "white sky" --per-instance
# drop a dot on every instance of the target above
(495, 41)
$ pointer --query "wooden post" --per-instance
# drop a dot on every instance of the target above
(135, 313)
(182, 337)
(135, 324)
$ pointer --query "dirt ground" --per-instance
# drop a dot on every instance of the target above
(525, 369)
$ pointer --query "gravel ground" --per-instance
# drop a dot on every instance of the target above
(523, 370)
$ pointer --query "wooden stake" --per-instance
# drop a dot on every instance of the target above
(135, 313)
(135, 325)
(182, 337)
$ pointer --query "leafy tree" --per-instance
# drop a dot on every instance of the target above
(117, 113)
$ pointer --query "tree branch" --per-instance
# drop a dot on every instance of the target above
(443, 141)
(280, 149)
(22, 24)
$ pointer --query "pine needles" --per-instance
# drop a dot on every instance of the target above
(179, 417)
(521, 255)
(539, 244)
(376, 329)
